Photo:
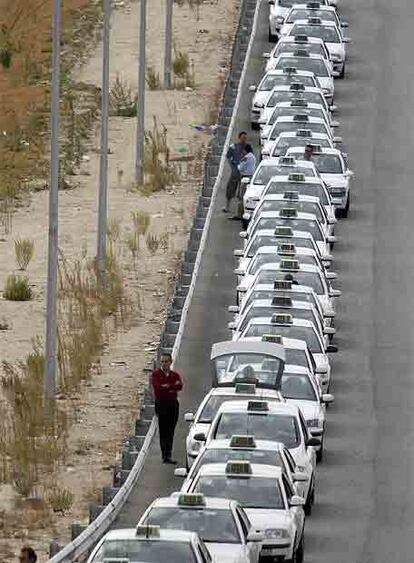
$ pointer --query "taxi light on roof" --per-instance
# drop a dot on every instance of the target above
(291, 195)
(191, 499)
(292, 265)
(314, 21)
(301, 117)
(258, 406)
(283, 231)
(282, 285)
(301, 38)
(238, 467)
(303, 133)
(313, 5)
(316, 148)
(280, 319)
(237, 441)
(273, 338)
(245, 388)
(148, 531)
(297, 86)
(298, 103)
(300, 53)
(287, 160)
(286, 249)
(288, 212)
(282, 301)
(289, 70)
(296, 177)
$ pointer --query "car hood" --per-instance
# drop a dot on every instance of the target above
(326, 82)
(226, 552)
(263, 518)
(253, 190)
(335, 49)
(198, 427)
(310, 409)
(335, 180)
(278, 11)
(260, 97)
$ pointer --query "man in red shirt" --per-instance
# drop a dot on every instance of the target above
(166, 383)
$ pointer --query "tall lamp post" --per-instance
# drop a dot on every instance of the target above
(51, 322)
(139, 159)
(168, 44)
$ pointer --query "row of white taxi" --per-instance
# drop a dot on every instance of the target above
(255, 440)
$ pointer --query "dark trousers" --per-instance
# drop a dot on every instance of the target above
(167, 412)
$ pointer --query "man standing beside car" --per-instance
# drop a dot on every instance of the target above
(234, 155)
(166, 383)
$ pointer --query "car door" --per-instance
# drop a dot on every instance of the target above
(309, 454)
(252, 548)
(201, 552)
(296, 511)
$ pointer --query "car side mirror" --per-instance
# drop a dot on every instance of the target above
(200, 437)
(335, 293)
(333, 107)
(327, 398)
(254, 536)
(239, 271)
(329, 330)
(233, 309)
(180, 472)
(266, 55)
(331, 239)
(243, 234)
(189, 417)
(300, 477)
(346, 39)
(331, 349)
(321, 370)
(232, 325)
(349, 173)
(252, 88)
(337, 140)
(335, 73)
(296, 501)
(245, 180)
(335, 123)
(238, 253)
(331, 275)
(344, 23)
(312, 441)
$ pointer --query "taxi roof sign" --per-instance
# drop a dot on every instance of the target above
(281, 319)
(301, 38)
(289, 70)
(288, 212)
(301, 117)
(238, 467)
(314, 21)
(262, 406)
(297, 86)
(191, 499)
(281, 231)
(245, 441)
(292, 265)
(282, 285)
(291, 195)
(287, 160)
(282, 301)
(313, 5)
(300, 53)
(245, 388)
(298, 103)
(286, 249)
(303, 133)
(316, 148)
(296, 177)
(148, 531)
(273, 338)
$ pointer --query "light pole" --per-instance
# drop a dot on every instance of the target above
(103, 163)
(168, 44)
(139, 160)
(51, 326)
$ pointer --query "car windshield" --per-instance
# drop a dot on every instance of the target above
(286, 3)
(311, 279)
(274, 427)
(304, 14)
(212, 525)
(150, 551)
(264, 173)
(291, 111)
(304, 188)
(259, 368)
(281, 146)
(298, 386)
(312, 48)
(296, 357)
(317, 66)
(251, 492)
(302, 206)
(270, 240)
(286, 79)
(329, 34)
(308, 225)
(289, 95)
(305, 333)
(328, 163)
(275, 258)
(291, 126)
(223, 455)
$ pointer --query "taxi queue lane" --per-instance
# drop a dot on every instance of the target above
(345, 524)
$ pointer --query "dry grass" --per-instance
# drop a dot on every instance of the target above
(183, 70)
(17, 288)
(24, 250)
(153, 79)
(122, 101)
(60, 499)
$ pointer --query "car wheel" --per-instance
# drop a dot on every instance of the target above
(300, 552)
(310, 500)
(245, 224)
(342, 75)
(254, 125)
(319, 453)
(272, 38)
(346, 210)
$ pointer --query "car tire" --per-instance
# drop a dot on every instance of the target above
(342, 75)
(254, 125)
(300, 552)
(319, 453)
(346, 209)
(310, 500)
(245, 224)
(271, 38)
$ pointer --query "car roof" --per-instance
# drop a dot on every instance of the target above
(224, 444)
(322, 23)
(309, 105)
(300, 215)
(274, 407)
(165, 535)
(258, 470)
(307, 56)
(291, 118)
(287, 88)
(292, 134)
(307, 180)
(209, 502)
(324, 150)
(268, 302)
(301, 197)
(280, 72)
(292, 39)
(271, 232)
(271, 249)
(231, 392)
(291, 343)
(307, 7)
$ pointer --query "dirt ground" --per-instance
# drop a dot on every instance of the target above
(105, 407)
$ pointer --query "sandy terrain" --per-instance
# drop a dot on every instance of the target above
(105, 407)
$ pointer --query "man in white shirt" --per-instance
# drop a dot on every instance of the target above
(247, 167)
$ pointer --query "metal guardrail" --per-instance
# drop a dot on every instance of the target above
(86, 540)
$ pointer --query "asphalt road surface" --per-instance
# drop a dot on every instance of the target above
(364, 510)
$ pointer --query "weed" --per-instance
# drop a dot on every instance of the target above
(60, 499)
(4, 325)
(153, 243)
(121, 99)
(153, 79)
(141, 221)
(17, 289)
(24, 249)
(114, 229)
(132, 242)
(183, 70)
